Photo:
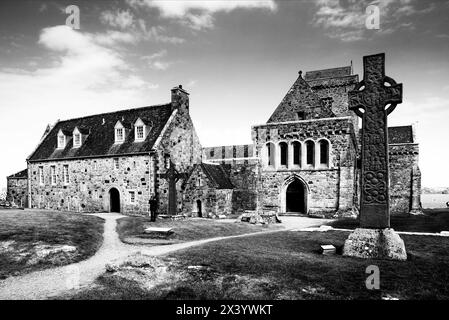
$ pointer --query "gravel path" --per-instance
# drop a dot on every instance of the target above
(54, 282)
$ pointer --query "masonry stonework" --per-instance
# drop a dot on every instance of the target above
(304, 160)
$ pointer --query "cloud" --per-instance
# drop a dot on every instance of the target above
(81, 76)
(132, 30)
(154, 61)
(345, 20)
(158, 34)
(198, 14)
(120, 18)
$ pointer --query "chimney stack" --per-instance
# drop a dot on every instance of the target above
(179, 98)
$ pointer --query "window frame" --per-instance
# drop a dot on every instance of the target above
(53, 177)
(61, 144)
(138, 132)
(283, 154)
(310, 154)
(66, 174)
(41, 176)
(77, 144)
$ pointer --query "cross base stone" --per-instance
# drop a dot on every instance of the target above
(375, 243)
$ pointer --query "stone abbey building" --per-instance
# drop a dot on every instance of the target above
(304, 159)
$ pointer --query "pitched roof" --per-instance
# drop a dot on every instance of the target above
(217, 175)
(300, 98)
(328, 73)
(19, 175)
(101, 135)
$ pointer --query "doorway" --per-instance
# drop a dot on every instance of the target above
(295, 197)
(114, 200)
(199, 208)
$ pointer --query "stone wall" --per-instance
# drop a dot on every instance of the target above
(181, 143)
(337, 89)
(17, 191)
(228, 152)
(329, 189)
(214, 202)
(90, 183)
(403, 158)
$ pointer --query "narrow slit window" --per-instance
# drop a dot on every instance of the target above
(66, 174)
(53, 175)
(310, 150)
(296, 153)
(324, 152)
(284, 153)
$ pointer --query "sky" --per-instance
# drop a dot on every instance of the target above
(237, 59)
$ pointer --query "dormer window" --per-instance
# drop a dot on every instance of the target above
(119, 132)
(61, 140)
(140, 130)
(77, 140)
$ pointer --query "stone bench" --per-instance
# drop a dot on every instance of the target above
(158, 231)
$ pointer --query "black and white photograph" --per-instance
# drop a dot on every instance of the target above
(243, 153)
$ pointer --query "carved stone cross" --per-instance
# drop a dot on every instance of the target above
(369, 100)
(173, 176)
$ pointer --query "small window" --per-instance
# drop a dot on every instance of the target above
(300, 115)
(283, 148)
(324, 152)
(139, 133)
(61, 141)
(41, 176)
(119, 135)
(116, 163)
(53, 174)
(132, 196)
(310, 150)
(270, 154)
(65, 173)
(296, 153)
(77, 140)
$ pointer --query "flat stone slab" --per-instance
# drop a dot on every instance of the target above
(158, 230)
(375, 244)
(328, 249)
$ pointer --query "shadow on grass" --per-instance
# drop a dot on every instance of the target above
(287, 265)
(433, 221)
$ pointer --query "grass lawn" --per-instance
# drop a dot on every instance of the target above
(434, 220)
(284, 265)
(187, 229)
(27, 237)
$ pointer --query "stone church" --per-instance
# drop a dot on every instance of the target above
(303, 160)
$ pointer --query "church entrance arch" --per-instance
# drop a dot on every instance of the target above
(294, 196)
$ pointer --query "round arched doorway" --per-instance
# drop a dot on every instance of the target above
(296, 197)
(114, 200)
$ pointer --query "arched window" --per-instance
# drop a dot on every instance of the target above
(296, 153)
(283, 148)
(270, 154)
(324, 152)
(310, 153)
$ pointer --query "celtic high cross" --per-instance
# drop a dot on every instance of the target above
(373, 99)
